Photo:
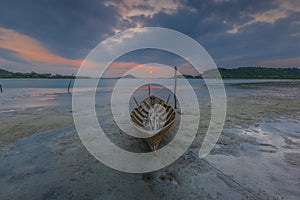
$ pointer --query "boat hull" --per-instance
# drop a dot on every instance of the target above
(155, 140)
(153, 108)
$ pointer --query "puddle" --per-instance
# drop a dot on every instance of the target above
(270, 163)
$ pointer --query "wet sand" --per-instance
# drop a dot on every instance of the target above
(19, 124)
(256, 157)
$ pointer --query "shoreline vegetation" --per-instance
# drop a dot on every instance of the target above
(234, 73)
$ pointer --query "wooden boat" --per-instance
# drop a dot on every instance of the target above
(153, 117)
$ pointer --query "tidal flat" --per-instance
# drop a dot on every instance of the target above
(256, 157)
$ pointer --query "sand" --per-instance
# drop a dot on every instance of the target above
(256, 157)
(19, 124)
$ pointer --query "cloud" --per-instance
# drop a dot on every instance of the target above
(290, 62)
(6, 64)
(30, 49)
(282, 10)
(270, 17)
(147, 70)
(129, 9)
(119, 39)
(142, 70)
(68, 28)
(289, 5)
(295, 34)
(59, 34)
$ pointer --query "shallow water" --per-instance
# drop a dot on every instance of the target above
(270, 163)
(28, 93)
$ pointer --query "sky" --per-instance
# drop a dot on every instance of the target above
(55, 36)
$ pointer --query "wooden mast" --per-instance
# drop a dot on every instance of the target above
(149, 90)
(175, 85)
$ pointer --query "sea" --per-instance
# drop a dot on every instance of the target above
(30, 93)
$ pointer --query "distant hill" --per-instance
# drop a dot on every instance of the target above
(235, 73)
(187, 76)
(256, 73)
(7, 74)
(3, 72)
(128, 76)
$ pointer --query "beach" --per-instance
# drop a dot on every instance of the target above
(256, 157)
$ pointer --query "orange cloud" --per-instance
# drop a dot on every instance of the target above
(294, 61)
(142, 70)
(282, 10)
(122, 67)
(130, 8)
(31, 49)
(150, 70)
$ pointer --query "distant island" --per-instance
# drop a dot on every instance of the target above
(7, 74)
(234, 73)
(129, 76)
(256, 73)
(250, 73)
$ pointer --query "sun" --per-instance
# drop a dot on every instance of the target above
(150, 71)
